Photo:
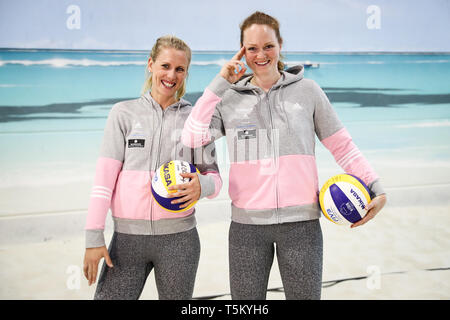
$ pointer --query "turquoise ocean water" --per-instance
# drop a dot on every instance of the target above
(54, 104)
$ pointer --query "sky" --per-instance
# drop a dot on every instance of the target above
(306, 25)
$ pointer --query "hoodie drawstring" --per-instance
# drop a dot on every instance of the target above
(281, 102)
(175, 127)
(259, 114)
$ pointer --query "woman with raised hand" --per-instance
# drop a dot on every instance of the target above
(141, 135)
(271, 118)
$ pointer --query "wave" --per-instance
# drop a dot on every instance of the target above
(59, 63)
(13, 85)
(428, 61)
(294, 63)
(221, 62)
(291, 63)
(91, 63)
(433, 124)
(218, 62)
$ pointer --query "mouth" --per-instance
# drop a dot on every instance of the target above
(168, 84)
(262, 63)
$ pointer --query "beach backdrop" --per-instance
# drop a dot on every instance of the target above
(385, 66)
(53, 108)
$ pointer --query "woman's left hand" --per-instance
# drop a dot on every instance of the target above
(189, 192)
(372, 208)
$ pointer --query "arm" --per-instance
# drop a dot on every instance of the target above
(204, 117)
(108, 168)
(106, 174)
(335, 137)
(205, 121)
(205, 184)
(349, 157)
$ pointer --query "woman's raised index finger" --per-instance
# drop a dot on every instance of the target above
(239, 54)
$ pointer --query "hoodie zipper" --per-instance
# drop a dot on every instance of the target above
(152, 228)
(274, 152)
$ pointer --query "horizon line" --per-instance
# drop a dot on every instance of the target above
(226, 51)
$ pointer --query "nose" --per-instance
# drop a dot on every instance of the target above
(172, 74)
(260, 54)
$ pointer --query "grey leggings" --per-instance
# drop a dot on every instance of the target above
(174, 256)
(299, 250)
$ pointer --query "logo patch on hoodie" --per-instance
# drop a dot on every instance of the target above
(136, 143)
(247, 134)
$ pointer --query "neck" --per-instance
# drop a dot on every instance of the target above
(266, 81)
(163, 101)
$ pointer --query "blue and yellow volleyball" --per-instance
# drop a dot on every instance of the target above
(343, 199)
(167, 175)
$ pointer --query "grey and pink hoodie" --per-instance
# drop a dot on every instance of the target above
(271, 144)
(139, 137)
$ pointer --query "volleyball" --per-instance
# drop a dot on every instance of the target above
(167, 175)
(343, 199)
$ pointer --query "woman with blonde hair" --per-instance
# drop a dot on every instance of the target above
(141, 135)
(271, 118)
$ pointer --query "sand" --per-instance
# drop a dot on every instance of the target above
(400, 239)
(42, 238)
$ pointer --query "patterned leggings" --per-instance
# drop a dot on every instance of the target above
(174, 257)
(299, 250)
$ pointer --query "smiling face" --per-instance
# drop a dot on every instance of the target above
(169, 70)
(262, 49)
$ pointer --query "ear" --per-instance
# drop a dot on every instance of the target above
(150, 64)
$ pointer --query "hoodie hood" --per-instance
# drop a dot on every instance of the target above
(179, 104)
(178, 107)
(288, 76)
(184, 103)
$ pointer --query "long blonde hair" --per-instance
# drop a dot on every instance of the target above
(167, 42)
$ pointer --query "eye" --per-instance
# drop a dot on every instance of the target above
(269, 46)
(165, 66)
(251, 49)
(180, 69)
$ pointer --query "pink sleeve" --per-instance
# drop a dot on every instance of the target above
(196, 128)
(348, 156)
(106, 174)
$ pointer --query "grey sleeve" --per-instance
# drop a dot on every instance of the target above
(326, 121)
(95, 238)
(205, 159)
(216, 128)
(219, 85)
(376, 189)
(112, 147)
(113, 144)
